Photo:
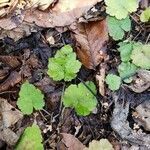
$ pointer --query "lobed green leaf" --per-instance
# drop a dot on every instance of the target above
(64, 65)
(113, 82)
(31, 139)
(30, 98)
(117, 27)
(80, 98)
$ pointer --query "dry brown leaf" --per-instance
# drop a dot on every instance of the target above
(91, 42)
(9, 114)
(64, 13)
(71, 142)
(9, 136)
(19, 32)
(11, 22)
(12, 80)
(11, 61)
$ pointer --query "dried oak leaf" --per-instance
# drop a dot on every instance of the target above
(71, 142)
(91, 41)
(64, 13)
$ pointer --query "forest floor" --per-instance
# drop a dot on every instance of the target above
(30, 35)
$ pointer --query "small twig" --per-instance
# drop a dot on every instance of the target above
(42, 115)
(46, 112)
(137, 35)
(147, 39)
(7, 92)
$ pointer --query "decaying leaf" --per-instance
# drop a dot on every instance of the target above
(142, 115)
(19, 32)
(141, 82)
(91, 42)
(4, 73)
(12, 80)
(41, 4)
(11, 61)
(64, 13)
(9, 136)
(71, 142)
(11, 22)
(9, 116)
(121, 126)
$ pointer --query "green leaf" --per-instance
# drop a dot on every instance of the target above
(128, 80)
(145, 16)
(117, 27)
(64, 65)
(31, 139)
(141, 56)
(113, 82)
(30, 97)
(125, 51)
(80, 98)
(121, 8)
(126, 70)
(103, 144)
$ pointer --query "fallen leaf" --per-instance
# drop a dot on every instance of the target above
(141, 81)
(9, 114)
(71, 142)
(41, 4)
(91, 42)
(3, 73)
(143, 115)
(9, 136)
(120, 124)
(11, 61)
(46, 85)
(11, 22)
(19, 32)
(12, 80)
(64, 13)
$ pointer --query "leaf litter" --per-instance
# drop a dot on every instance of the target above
(33, 31)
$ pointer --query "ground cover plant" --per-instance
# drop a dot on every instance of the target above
(74, 75)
